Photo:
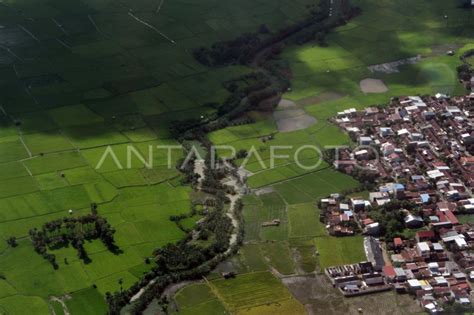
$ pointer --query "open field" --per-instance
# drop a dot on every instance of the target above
(198, 299)
(248, 293)
(304, 221)
(334, 251)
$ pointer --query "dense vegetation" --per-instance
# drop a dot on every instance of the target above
(73, 231)
(391, 217)
(243, 49)
(191, 258)
(466, 70)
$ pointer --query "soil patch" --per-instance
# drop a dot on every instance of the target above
(373, 86)
(285, 104)
(264, 191)
(293, 119)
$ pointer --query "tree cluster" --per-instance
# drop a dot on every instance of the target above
(11, 241)
(243, 49)
(391, 217)
(237, 51)
(73, 231)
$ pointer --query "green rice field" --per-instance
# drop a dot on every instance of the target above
(80, 77)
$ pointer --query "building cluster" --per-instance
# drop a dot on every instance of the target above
(420, 153)
(418, 141)
(357, 279)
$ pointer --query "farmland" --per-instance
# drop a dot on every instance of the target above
(246, 294)
(334, 251)
(198, 299)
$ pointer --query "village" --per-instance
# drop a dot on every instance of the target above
(415, 158)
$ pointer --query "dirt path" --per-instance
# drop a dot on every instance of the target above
(159, 6)
(171, 290)
(60, 301)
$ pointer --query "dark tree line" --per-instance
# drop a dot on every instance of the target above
(237, 51)
(73, 231)
(243, 49)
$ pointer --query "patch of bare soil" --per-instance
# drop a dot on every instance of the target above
(293, 119)
(323, 97)
(264, 191)
(373, 86)
(319, 297)
(285, 104)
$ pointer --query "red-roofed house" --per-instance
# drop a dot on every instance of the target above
(389, 273)
(451, 217)
(397, 241)
(423, 236)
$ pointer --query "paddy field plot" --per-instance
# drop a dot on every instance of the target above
(272, 208)
(304, 221)
(278, 256)
(334, 251)
(198, 299)
(252, 290)
(86, 301)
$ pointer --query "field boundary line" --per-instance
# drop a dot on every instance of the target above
(24, 144)
(292, 178)
(217, 294)
(159, 6)
(151, 27)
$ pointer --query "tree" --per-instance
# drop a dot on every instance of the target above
(12, 241)
(411, 149)
(120, 282)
